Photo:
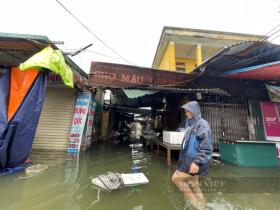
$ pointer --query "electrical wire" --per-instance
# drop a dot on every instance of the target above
(92, 33)
(68, 50)
(260, 42)
(272, 30)
(258, 56)
(101, 54)
(255, 45)
(275, 37)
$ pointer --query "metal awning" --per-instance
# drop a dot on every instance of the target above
(120, 98)
(136, 93)
(17, 48)
(216, 91)
(127, 109)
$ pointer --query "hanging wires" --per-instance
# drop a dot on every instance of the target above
(92, 33)
(272, 32)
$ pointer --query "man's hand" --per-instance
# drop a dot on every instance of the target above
(194, 168)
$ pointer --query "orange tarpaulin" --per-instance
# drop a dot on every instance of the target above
(20, 84)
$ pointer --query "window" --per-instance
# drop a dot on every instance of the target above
(180, 66)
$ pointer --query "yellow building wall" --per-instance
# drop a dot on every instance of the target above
(198, 55)
(189, 62)
(168, 59)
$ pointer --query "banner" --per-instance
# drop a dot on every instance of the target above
(90, 120)
(271, 120)
(78, 123)
(273, 92)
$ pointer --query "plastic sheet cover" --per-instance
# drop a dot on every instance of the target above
(20, 84)
(4, 93)
(17, 137)
(52, 60)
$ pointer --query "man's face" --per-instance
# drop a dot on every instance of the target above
(189, 114)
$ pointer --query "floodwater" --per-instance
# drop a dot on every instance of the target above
(66, 184)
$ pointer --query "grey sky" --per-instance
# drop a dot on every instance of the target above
(130, 27)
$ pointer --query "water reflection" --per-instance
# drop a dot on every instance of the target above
(137, 207)
(190, 188)
(71, 168)
(10, 191)
(66, 184)
(140, 159)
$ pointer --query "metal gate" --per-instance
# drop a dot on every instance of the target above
(228, 121)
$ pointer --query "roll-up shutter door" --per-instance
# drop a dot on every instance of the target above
(56, 119)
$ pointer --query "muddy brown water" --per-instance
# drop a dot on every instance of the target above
(66, 184)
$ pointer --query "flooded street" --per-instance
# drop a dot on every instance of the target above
(66, 184)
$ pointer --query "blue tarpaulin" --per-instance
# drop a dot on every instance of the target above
(17, 138)
(4, 93)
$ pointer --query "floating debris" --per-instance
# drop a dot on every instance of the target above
(134, 179)
(114, 181)
(109, 181)
(35, 169)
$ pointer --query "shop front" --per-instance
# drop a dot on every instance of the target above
(256, 83)
(28, 85)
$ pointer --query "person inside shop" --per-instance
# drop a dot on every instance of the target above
(195, 155)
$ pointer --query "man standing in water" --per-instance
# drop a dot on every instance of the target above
(195, 155)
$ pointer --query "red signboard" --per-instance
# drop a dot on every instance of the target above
(117, 75)
(271, 120)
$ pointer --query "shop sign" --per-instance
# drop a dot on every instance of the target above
(90, 120)
(271, 120)
(116, 75)
(54, 80)
(79, 121)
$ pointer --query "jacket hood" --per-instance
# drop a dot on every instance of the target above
(194, 108)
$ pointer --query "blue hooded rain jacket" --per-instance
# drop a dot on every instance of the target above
(197, 146)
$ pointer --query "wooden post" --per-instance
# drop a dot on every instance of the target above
(168, 157)
(157, 149)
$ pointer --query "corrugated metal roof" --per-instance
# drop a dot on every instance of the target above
(9, 36)
(241, 55)
(136, 93)
(17, 48)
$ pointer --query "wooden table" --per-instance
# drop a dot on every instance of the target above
(167, 146)
(170, 147)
